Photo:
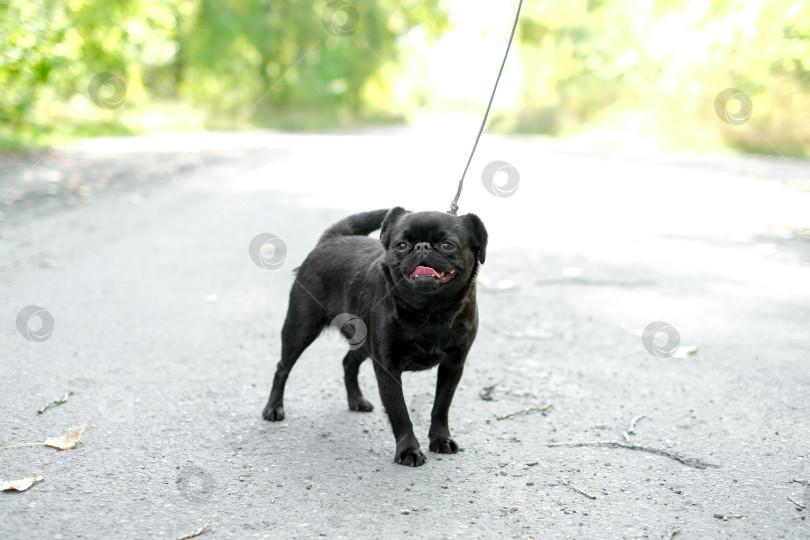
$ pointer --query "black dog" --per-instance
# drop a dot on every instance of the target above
(407, 301)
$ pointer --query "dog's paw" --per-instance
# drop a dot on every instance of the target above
(411, 457)
(361, 404)
(444, 445)
(273, 414)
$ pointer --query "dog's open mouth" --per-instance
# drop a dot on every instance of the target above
(426, 272)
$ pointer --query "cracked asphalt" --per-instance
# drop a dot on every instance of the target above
(167, 334)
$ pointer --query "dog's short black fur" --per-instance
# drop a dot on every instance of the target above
(413, 290)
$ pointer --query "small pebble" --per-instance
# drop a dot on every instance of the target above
(529, 483)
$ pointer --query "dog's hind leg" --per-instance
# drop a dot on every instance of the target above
(305, 321)
(351, 367)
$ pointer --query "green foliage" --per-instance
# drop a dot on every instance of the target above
(242, 59)
(586, 60)
(650, 66)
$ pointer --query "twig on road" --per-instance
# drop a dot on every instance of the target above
(544, 408)
(798, 505)
(632, 429)
(196, 533)
(673, 533)
(726, 518)
(575, 488)
(802, 482)
(55, 403)
(689, 462)
(486, 393)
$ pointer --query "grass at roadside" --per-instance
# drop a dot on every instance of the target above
(57, 127)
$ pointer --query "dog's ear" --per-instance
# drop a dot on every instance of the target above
(393, 215)
(478, 235)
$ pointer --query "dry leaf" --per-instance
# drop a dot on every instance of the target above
(19, 485)
(684, 352)
(68, 441)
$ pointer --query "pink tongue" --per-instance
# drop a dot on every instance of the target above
(423, 271)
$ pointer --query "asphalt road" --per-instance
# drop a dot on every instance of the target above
(167, 334)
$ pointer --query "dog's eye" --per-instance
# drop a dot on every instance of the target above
(447, 246)
(400, 246)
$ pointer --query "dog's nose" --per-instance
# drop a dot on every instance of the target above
(422, 247)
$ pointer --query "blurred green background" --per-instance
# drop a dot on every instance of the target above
(641, 72)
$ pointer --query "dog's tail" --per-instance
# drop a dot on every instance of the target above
(357, 224)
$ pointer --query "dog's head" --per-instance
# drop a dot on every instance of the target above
(432, 253)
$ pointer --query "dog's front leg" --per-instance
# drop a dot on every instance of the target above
(439, 434)
(389, 381)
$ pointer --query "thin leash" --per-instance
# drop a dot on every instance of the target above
(454, 205)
